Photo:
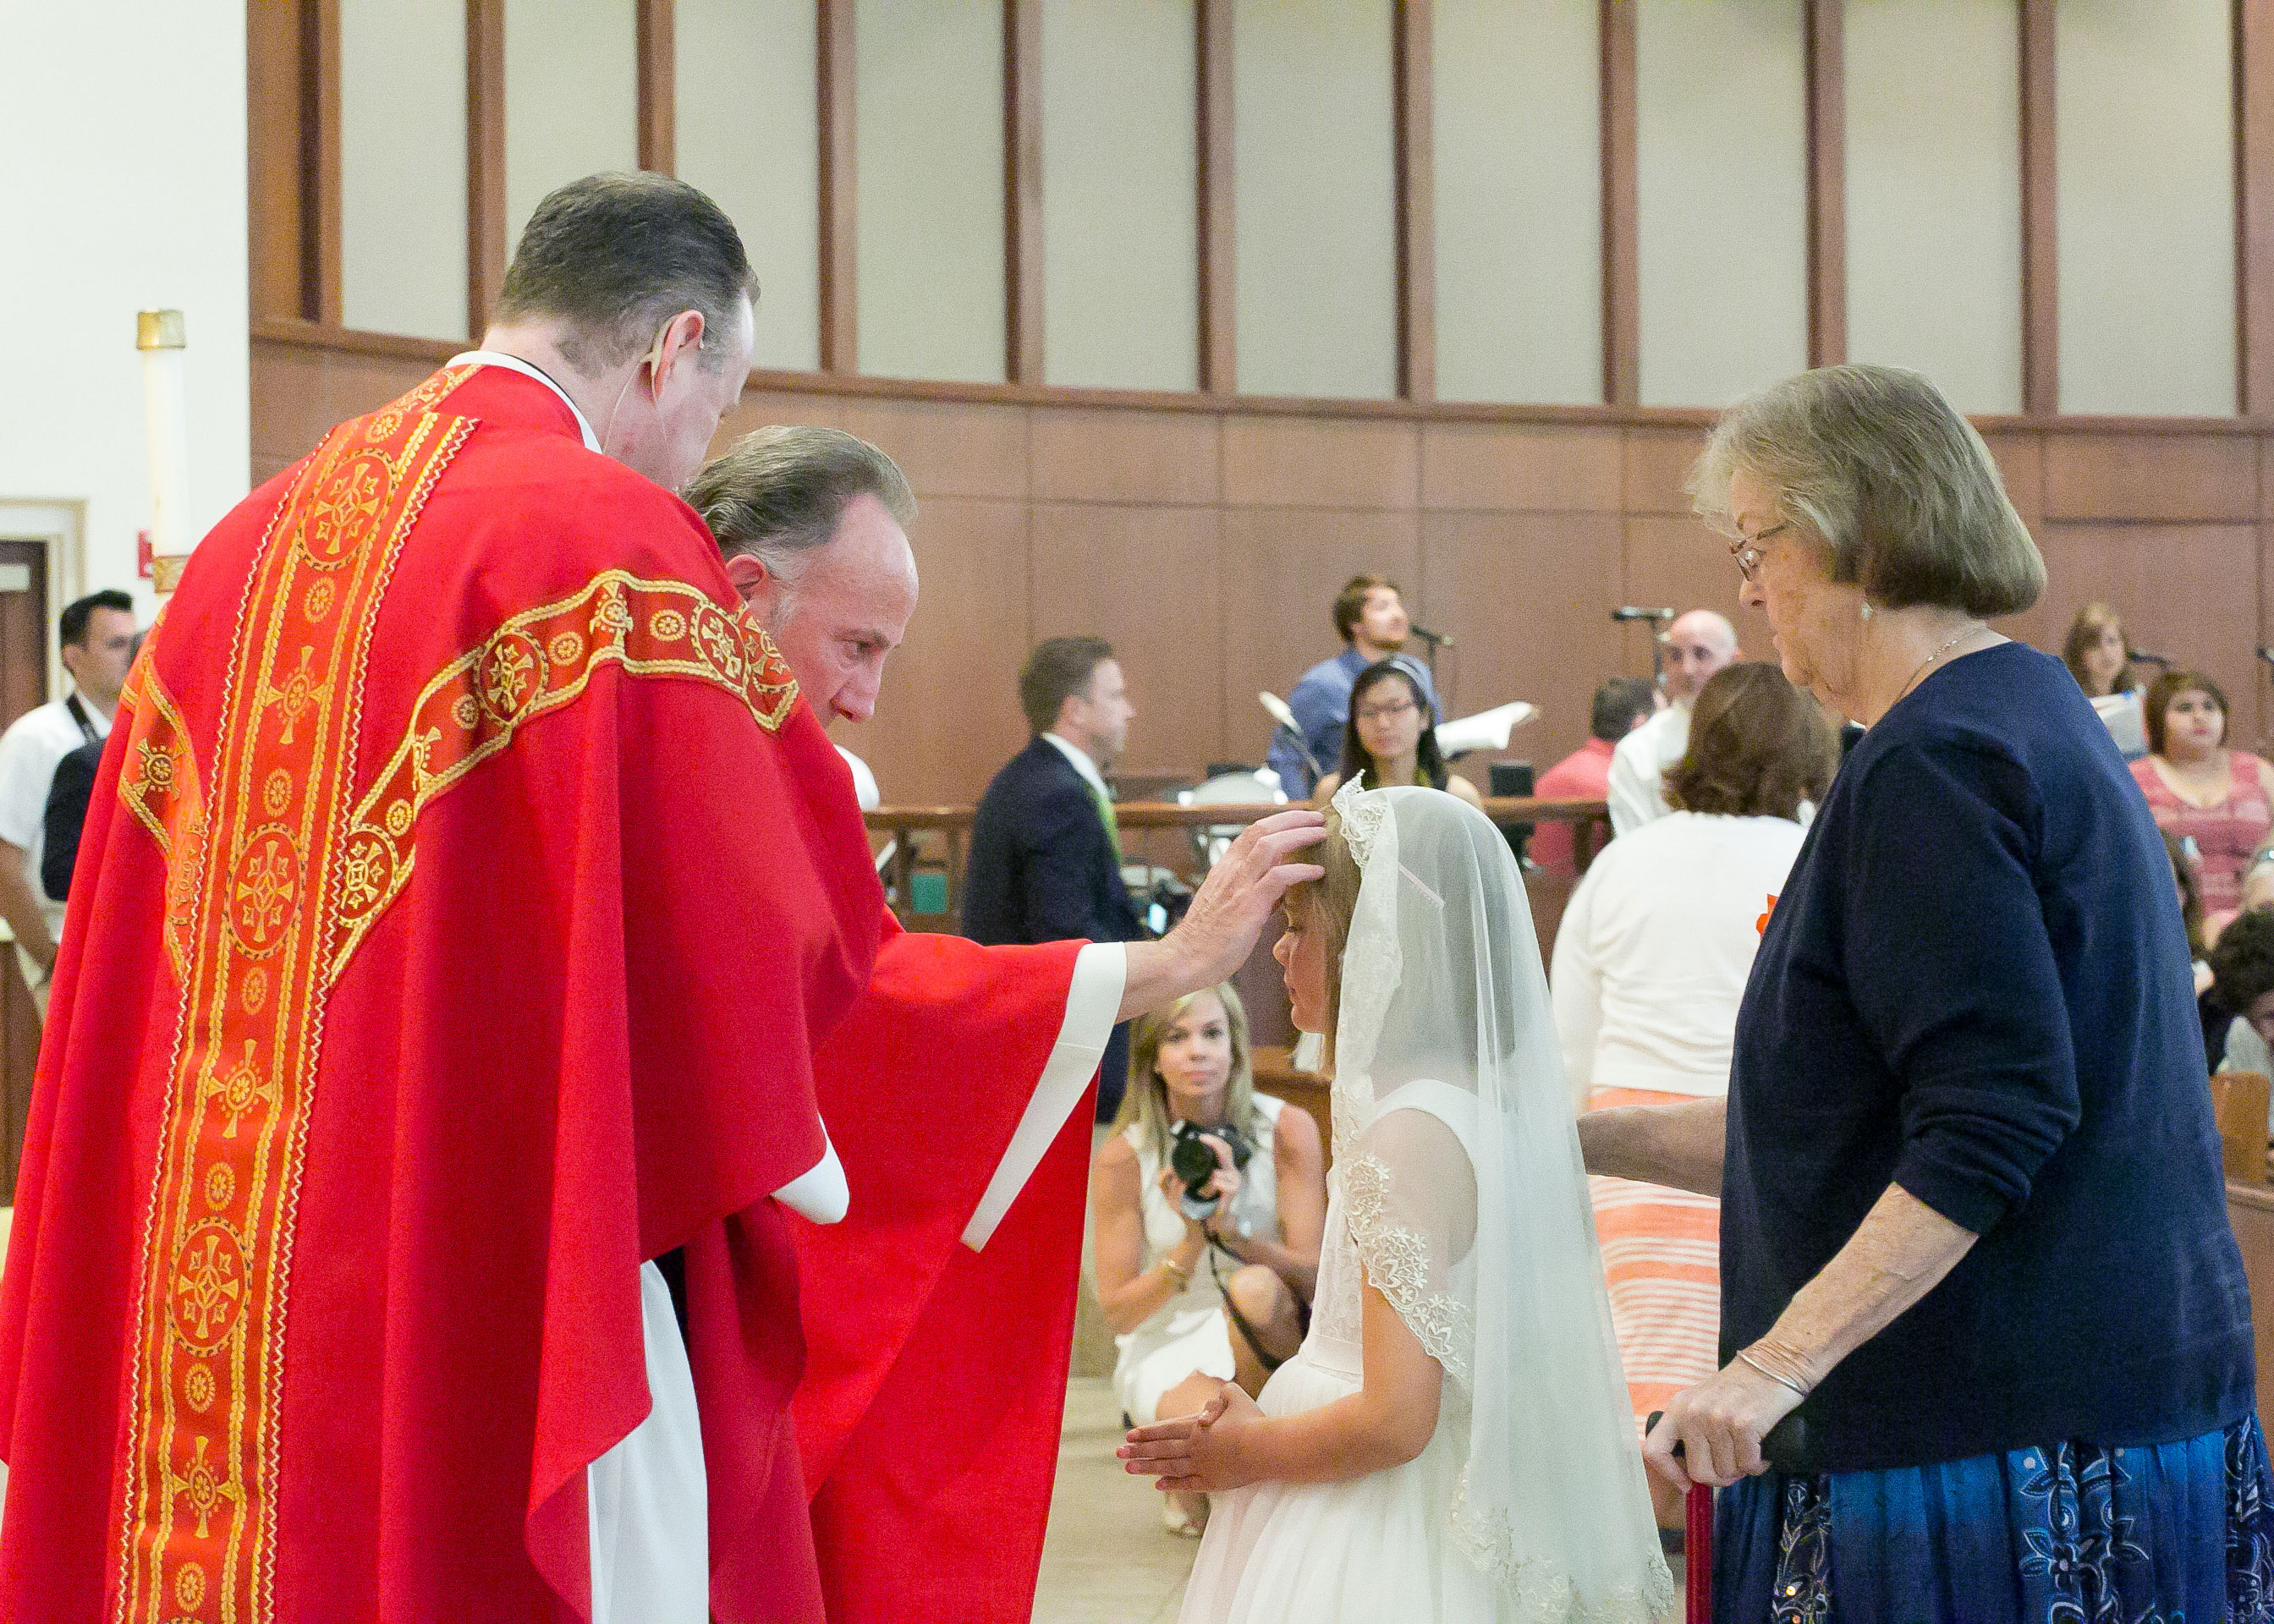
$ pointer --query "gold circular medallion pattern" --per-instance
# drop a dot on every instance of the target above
(264, 889)
(206, 1285)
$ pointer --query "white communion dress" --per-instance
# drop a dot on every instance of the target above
(1457, 1192)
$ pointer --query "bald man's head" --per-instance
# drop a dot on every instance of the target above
(1698, 644)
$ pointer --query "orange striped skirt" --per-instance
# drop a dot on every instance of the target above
(1662, 1261)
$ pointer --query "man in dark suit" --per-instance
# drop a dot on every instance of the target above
(1045, 861)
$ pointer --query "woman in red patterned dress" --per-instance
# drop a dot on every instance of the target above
(2197, 787)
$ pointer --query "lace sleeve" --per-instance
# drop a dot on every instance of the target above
(1411, 1199)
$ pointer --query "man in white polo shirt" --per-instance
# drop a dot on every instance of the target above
(1697, 646)
(98, 638)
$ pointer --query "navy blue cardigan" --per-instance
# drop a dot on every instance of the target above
(1976, 985)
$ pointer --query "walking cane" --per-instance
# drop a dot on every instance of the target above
(1698, 1555)
(1697, 1544)
(1786, 1450)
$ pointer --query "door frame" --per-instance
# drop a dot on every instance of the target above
(60, 527)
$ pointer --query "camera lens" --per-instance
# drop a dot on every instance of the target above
(1193, 1161)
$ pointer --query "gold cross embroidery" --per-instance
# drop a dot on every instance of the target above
(240, 1090)
(301, 690)
(202, 1488)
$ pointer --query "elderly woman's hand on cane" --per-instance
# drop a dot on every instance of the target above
(1711, 1433)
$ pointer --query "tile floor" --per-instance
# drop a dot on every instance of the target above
(1106, 1558)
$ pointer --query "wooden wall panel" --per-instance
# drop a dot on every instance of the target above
(299, 392)
(1127, 456)
(2152, 477)
(2021, 460)
(1146, 579)
(1209, 544)
(1519, 467)
(1493, 579)
(1307, 463)
(1655, 462)
(948, 716)
(945, 449)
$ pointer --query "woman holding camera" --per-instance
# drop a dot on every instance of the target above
(1204, 1274)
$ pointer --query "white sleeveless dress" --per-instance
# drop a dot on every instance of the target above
(1366, 1549)
(1188, 1333)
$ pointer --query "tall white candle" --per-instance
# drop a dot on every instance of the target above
(159, 336)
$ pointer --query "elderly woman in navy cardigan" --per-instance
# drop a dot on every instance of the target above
(1973, 1222)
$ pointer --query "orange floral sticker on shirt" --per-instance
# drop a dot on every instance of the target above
(1761, 925)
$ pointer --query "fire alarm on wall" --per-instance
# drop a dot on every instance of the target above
(146, 558)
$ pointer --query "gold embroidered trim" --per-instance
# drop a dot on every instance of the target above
(201, 1446)
(159, 782)
(535, 663)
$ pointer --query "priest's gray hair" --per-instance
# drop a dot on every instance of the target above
(1876, 467)
(778, 493)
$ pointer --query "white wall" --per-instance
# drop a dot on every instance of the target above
(2143, 115)
(124, 188)
(928, 126)
(1121, 295)
(1934, 193)
(1721, 196)
(1314, 197)
(403, 204)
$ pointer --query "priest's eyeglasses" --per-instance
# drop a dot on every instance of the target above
(1747, 549)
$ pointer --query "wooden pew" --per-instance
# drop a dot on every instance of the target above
(2238, 1103)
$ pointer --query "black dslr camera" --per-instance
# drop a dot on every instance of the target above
(1195, 1163)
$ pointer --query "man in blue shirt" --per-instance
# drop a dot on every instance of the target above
(1371, 618)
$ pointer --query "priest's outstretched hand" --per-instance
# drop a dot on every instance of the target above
(1228, 913)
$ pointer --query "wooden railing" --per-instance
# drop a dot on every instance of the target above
(923, 848)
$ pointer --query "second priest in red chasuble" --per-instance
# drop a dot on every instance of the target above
(464, 899)
(938, 1314)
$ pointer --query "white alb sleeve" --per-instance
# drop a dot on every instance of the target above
(1101, 972)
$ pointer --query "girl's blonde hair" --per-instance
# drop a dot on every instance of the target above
(1145, 1102)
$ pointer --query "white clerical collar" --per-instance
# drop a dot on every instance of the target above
(1082, 764)
(515, 364)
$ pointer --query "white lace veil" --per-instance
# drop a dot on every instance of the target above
(1467, 1203)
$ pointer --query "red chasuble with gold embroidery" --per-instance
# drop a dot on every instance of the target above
(936, 1378)
(465, 894)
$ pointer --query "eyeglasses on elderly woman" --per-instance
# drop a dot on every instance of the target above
(1747, 549)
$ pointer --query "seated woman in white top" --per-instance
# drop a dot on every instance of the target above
(1651, 963)
(1389, 738)
(1200, 1300)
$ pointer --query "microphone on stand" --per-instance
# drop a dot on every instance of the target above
(1628, 612)
(1278, 712)
(1437, 639)
(2146, 658)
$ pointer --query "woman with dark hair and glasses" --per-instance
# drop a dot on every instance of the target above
(1389, 739)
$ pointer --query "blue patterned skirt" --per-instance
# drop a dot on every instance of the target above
(2177, 1533)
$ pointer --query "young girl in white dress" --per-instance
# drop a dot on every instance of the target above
(1451, 1442)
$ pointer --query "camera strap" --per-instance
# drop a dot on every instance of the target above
(1232, 1311)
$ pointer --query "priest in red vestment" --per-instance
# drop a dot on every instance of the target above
(466, 892)
(939, 1315)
